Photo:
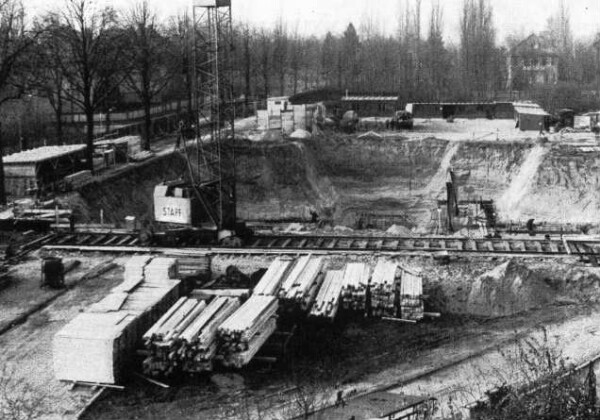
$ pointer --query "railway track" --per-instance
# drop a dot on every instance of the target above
(589, 249)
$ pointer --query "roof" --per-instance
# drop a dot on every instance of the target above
(540, 43)
(370, 98)
(458, 103)
(43, 153)
(376, 405)
(529, 108)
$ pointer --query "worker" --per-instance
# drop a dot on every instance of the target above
(314, 216)
(146, 234)
(340, 399)
(179, 134)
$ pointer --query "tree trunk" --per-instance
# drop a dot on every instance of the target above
(147, 124)
(59, 124)
(89, 151)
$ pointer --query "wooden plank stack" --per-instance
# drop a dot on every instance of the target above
(354, 289)
(271, 281)
(99, 344)
(184, 339)
(300, 288)
(383, 289)
(161, 269)
(411, 295)
(327, 301)
(134, 272)
(246, 330)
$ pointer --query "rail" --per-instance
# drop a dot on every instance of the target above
(588, 250)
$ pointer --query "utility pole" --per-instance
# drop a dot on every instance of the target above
(2, 190)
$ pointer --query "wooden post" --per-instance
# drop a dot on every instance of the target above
(2, 189)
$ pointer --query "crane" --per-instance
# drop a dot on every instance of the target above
(207, 199)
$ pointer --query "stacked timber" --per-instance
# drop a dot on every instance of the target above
(246, 330)
(78, 179)
(195, 268)
(271, 281)
(134, 272)
(383, 289)
(327, 301)
(184, 339)
(354, 289)
(411, 295)
(161, 269)
(99, 344)
(300, 288)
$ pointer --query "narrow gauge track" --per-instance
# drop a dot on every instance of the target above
(589, 248)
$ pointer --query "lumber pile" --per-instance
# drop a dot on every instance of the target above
(161, 269)
(184, 339)
(99, 344)
(327, 301)
(78, 179)
(246, 330)
(300, 288)
(134, 272)
(383, 289)
(411, 295)
(141, 156)
(355, 285)
(271, 281)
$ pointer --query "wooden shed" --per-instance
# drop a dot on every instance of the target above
(531, 117)
(42, 169)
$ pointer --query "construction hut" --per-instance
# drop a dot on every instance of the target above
(43, 169)
(531, 117)
(370, 106)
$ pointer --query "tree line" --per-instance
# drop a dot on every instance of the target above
(87, 56)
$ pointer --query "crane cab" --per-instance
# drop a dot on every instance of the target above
(175, 202)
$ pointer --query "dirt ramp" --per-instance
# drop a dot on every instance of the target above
(508, 289)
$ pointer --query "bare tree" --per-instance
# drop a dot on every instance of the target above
(15, 41)
(94, 46)
(49, 77)
(280, 53)
(264, 60)
(149, 59)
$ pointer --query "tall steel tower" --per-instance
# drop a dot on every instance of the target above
(214, 105)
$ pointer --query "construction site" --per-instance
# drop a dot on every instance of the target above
(327, 255)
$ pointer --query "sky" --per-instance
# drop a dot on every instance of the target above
(320, 16)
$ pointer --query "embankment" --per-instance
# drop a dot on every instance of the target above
(343, 176)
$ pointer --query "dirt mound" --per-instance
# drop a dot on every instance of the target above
(399, 230)
(508, 289)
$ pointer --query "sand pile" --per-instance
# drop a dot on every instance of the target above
(508, 289)
(399, 230)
